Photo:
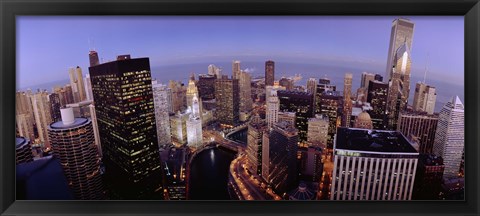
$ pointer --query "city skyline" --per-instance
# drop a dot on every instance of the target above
(189, 39)
(236, 133)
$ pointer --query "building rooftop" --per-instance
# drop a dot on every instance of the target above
(42, 179)
(60, 124)
(372, 140)
(20, 142)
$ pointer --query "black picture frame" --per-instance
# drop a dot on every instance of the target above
(9, 9)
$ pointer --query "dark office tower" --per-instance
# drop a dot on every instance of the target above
(428, 178)
(330, 104)
(256, 128)
(287, 83)
(301, 103)
(420, 127)
(206, 86)
(269, 73)
(123, 96)
(377, 97)
(347, 100)
(322, 86)
(23, 150)
(227, 96)
(93, 56)
(378, 77)
(54, 106)
(283, 157)
(73, 143)
(402, 33)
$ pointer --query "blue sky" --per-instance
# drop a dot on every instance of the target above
(47, 46)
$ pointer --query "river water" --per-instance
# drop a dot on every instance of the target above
(209, 174)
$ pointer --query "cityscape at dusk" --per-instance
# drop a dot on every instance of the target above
(240, 108)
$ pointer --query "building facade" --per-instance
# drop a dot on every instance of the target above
(122, 91)
(227, 96)
(256, 129)
(73, 143)
(269, 73)
(450, 136)
(373, 165)
(420, 126)
(162, 117)
(301, 103)
(402, 33)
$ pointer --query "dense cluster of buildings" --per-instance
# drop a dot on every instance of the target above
(119, 134)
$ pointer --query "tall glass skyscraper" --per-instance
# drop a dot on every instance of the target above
(402, 32)
(122, 91)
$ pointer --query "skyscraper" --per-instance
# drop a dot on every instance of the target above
(399, 85)
(235, 69)
(420, 126)
(402, 33)
(312, 86)
(214, 71)
(73, 144)
(372, 165)
(54, 101)
(227, 95)
(287, 83)
(273, 107)
(43, 118)
(88, 87)
(76, 81)
(122, 91)
(450, 137)
(377, 97)
(206, 86)
(424, 98)
(365, 79)
(178, 127)
(330, 104)
(194, 125)
(283, 157)
(93, 57)
(256, 129)
(318, 131)
(192, 90)
(245, 87)
(162, 117)
(96, 133)
(179, 96)
(347, 100)
(25, 117)
(269, 73)
(302, 104)
(322, 86)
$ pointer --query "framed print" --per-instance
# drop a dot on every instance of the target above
(257, 107)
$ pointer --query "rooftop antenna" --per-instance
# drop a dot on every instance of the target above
(426, 68)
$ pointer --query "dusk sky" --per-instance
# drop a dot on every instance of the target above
(47, 46)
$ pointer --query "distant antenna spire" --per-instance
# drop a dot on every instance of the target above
(426, 68)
